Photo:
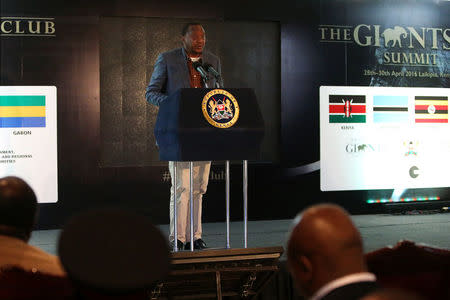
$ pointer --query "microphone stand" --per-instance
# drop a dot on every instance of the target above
(219, 82)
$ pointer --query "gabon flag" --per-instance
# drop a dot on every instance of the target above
(22, 111)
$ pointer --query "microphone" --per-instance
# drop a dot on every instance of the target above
(211, 70)
(216, 74)
(199, 67)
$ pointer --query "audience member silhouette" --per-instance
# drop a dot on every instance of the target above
(325, 255)
(113, 254)
(18, 211)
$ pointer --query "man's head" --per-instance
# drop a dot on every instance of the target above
(324, 245)
(193, 38)
(124, 257)
(18, 206)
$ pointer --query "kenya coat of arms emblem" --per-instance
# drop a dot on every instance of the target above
(220, 108)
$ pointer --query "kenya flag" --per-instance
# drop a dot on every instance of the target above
(347, 109)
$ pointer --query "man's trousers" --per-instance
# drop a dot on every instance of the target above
(201, 176)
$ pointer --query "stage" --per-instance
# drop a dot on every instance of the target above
(377, 231)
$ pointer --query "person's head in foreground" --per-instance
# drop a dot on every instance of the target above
(113, 252)
(18, 208)
(324, 246)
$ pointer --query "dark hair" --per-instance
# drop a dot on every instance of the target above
(18, 205)
(186, 27)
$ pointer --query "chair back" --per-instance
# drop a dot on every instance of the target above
(418, 268)
(17, 284)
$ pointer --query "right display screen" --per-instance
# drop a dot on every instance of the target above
(384, 138)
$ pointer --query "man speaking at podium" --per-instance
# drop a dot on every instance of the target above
(173, 70)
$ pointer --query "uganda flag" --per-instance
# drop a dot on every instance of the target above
(22, 111)
(347, 109)
(431, 109)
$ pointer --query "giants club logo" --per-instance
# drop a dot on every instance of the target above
(398, 40)
(359, 148)
(27, 26)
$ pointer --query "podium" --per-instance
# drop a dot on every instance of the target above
(213, 124)
(197, 124)
(184, 134)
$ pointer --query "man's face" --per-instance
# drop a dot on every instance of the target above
(194, 40)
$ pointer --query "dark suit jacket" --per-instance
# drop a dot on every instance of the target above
(353, 291)
(172, 73)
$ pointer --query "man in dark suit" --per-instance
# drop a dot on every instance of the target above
(325, 255)
(174, 70)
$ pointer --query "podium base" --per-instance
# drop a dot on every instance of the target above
(217, 273)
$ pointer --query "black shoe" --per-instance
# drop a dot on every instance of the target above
(180, 245)
(199, 244)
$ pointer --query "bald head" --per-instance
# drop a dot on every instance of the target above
(324, 245)
(18, 206)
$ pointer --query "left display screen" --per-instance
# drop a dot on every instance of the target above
(28, 138)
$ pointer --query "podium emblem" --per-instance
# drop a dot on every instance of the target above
(220, 108)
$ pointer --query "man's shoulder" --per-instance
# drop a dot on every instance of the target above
(16, 252)
(207, 55)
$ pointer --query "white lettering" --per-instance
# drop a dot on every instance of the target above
(18, 27)
(3, 29)
(38, 27)
(368, 39)
(49, 27)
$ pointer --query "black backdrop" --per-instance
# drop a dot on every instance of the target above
(128, 50)
(72, 61)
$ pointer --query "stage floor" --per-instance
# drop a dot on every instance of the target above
(377, 231)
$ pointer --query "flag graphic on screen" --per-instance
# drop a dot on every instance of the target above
(431, 109)
(22, 111)
(390, 109)
(347, 109)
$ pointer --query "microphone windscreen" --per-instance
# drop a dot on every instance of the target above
(209, 68)
(197, 64)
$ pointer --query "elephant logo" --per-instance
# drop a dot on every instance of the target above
(358, 148)
(394, 35)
